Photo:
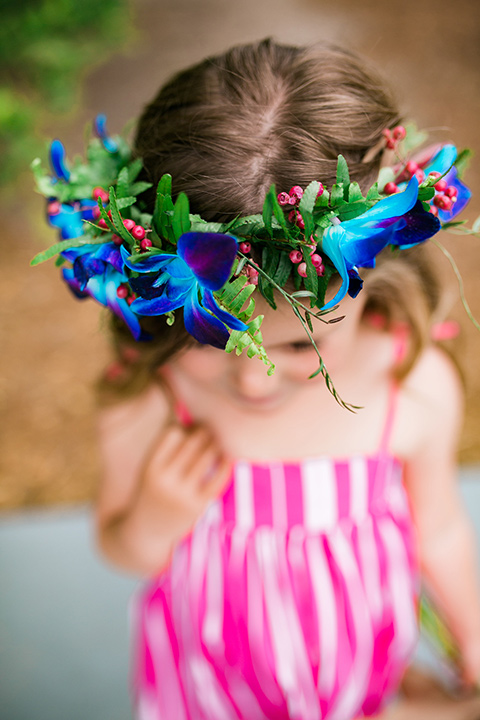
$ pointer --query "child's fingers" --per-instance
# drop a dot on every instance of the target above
(218, 478)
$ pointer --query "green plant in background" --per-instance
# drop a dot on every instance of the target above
(45, 47)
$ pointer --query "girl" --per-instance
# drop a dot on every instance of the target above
(281, 534)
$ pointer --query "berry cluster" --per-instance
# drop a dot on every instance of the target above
(297, 259)
(293, 198)
(393, 137)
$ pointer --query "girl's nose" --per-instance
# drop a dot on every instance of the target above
(251, 379)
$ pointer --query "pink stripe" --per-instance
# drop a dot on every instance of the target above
(294, 494)
(262, 495)
(228, 503)
(343, 479)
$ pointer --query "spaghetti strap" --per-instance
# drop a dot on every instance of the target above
(400, 348)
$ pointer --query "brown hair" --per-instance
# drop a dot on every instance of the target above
(230, 126)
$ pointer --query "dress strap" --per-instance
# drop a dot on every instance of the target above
(399, 349)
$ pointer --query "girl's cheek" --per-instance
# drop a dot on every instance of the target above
(202, 363)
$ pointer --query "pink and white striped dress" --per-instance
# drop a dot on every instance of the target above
(294, 597)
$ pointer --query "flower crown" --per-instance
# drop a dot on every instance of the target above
(140, 264)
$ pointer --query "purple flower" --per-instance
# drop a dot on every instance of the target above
(166, 282)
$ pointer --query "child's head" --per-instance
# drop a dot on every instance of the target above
(262, 114)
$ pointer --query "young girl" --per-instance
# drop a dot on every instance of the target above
(282, 535)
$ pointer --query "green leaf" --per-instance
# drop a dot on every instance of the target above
(426, 193)
(117, 221)
(61, 246)
(311, 281)
(309, 197)
(134, 170)
(270, 260)
(463, 160)
(385, 176)
(284, 268)
(140, 187)
(355, 193)
(373, 194)
(343, 176)
(123, 183)
(267, 212)
(338, 195)
(476, 225)
(323, 200)
(181, 216)
(165, 184)
(125, 202)
(414, 138)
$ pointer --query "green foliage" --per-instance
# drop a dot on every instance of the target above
(45, 48)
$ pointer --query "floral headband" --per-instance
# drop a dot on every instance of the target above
(140, 264)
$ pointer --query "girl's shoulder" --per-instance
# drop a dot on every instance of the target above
(430, 403)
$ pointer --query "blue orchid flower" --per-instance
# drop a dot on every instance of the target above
(396, 220)
(97, 272)
(440, 162)
(188, 279)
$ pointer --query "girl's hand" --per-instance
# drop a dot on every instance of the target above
(157, 479)
(185, 472)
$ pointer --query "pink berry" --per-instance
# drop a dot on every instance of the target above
(245, 247)
(302, 269)
(316, 260)
(434, 210)
(320, 270)
(296, 256)
(451, 192)
(117, 239)
(145, 244)
(292, 200)
(411, 167)
(109, 213)
(300, 222)
(434, 174)
(122, 292)
(390, 188)
(296, 192)
(54, 207)
(391, 144)
(386, 133)
(129, 224)
(420, 175)
(252, 275)
(138, 232)
(283, 198)
(96, 212)
(102, 223)
(320, 190)
(131, 298)
(399, 132)
(441, 185)
(443, 202)
(99, 192)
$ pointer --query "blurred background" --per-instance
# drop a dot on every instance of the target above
(61, 63)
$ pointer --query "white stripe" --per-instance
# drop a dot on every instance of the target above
(327, 615)
(401, 589)
(244, 507)
(279, 497)
(352, 694)
(320, 509)
(170, 698)
(358, 489)
(213, 618)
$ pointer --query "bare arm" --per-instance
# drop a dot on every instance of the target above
(445, 534)
(158, 477)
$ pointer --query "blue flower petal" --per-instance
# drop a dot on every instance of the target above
(57, 161)
(110, 253)
(331, 240)
(210, 256)
(390, 207)
(119, 305)
(154, 262)
(210, 303)
(355, 283)
(68, 221)
(158, 305)
(100, 124)
(464, 195)
(419, 226)
(204, 327)
(442, 160)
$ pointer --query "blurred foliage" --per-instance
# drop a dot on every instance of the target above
(45, 47)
